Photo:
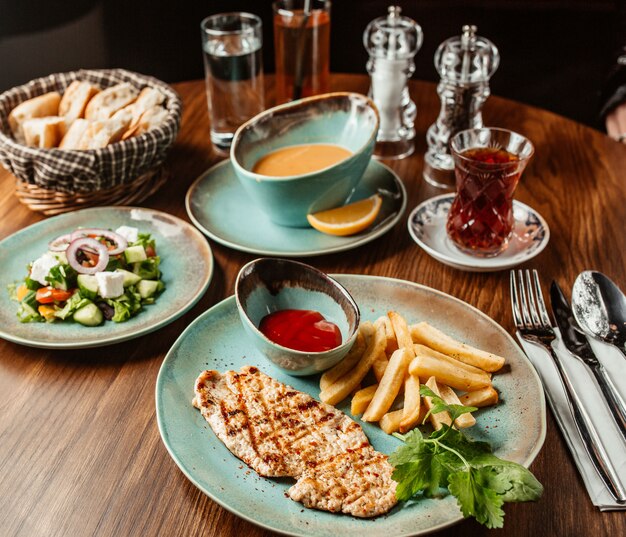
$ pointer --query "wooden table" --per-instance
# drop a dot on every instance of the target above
(80, 453)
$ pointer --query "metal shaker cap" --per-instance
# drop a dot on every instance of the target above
(467, 58)
(393, 37)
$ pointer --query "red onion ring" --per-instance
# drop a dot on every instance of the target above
(61, 243)
(88, 244)
(120, 242)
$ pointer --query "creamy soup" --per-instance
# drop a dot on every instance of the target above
(300, 159)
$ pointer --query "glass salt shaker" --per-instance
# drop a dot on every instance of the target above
(392, 43)
(465, 64)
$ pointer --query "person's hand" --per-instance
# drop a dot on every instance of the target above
(616, 123)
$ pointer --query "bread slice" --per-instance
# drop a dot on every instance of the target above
(74, 134)
(124, 114)
(44, 132)
(148, 98)
(41, 106)
(75, 99)
(101, 133)
(151, 118)
(108, 101)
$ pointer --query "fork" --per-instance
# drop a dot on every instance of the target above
(533, 324)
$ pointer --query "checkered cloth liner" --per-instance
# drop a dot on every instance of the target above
(93, 169)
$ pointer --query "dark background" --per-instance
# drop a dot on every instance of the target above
(554, 54)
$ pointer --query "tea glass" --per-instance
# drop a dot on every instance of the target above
(302, 47)
(488, 164)
(233, 67)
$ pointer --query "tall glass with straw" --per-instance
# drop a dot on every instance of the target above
(302, 47)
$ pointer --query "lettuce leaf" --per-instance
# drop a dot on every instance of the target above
(75, 302)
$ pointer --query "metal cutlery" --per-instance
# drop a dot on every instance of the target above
(533, 323)
(578, 345)
(599, 307)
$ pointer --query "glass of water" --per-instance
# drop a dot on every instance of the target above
(233, 67)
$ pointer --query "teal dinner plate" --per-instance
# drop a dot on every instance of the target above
(186, 263)
(220, 207)
(217, 340)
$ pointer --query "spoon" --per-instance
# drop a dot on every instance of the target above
(599, 307)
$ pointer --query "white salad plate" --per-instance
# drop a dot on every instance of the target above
(186, 264)
(427, 226)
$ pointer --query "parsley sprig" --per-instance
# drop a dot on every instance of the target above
(467, 469)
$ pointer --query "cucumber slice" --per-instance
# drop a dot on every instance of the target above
(29, 303)
(88, 286)
(147, 288)
(148, 269)
(89, 315)
(129, 277)
(134, 254)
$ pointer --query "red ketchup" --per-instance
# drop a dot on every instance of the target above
(301, 330)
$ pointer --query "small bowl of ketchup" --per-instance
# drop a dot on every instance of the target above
(301, 319)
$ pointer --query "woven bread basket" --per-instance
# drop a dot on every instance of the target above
(54, 181)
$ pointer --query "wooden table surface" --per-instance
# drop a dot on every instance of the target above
(80, 452)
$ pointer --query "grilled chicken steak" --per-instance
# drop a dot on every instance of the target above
(279, 431)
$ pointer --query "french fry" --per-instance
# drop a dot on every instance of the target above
(379, 366)
(368, 329)
(361, 399)
(436, 420)
(341, 388)
(450, 397)
(423, 350)
(480, 398)
(426, 366)
(348, 363)
(431, 337)
(412, 406)
(390, 422)
(389, 385)
(392, 346)
(401, 330)
(391, 336)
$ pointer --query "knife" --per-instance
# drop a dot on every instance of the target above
(577, 344)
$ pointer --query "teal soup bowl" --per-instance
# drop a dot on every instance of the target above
(349, 120)
(267, 285)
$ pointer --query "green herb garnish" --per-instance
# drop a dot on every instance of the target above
(447, 460)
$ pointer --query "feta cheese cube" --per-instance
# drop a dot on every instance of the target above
(110, 284)
(41, 268)
(128, 232)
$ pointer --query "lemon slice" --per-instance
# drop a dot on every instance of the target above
(348, 219)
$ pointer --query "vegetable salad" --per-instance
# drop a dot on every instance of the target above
(89, 276)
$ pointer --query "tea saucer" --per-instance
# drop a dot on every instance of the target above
(220, 207)
(427, 226)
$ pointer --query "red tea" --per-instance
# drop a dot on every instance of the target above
(481, 216)
(312, 42)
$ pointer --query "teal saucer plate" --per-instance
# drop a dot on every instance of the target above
(220, 207)
(217, 340)
(186, 263)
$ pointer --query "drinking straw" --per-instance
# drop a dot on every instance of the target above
(299, 74)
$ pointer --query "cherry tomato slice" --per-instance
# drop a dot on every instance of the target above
(92, 259)
(48, 295)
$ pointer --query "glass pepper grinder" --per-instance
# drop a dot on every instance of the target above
(465, 64)
(392, 43)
